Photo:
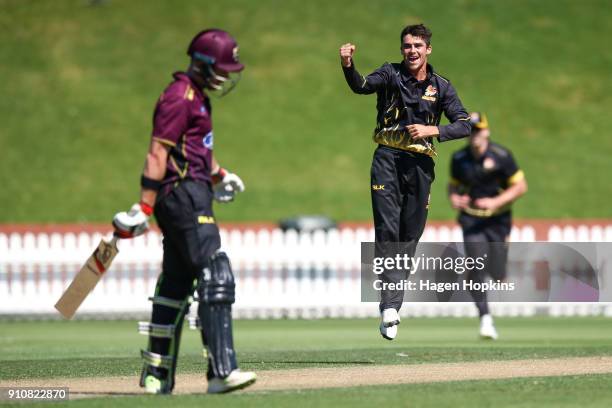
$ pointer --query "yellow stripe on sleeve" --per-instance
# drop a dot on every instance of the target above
(516, 177)
(164, 141)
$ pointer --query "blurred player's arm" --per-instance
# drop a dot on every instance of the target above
(225, 183)
(517, 186)
(169, 123)
(130, 224)
(457, 200)
(154, 169)
(457, 197)
(359, 84)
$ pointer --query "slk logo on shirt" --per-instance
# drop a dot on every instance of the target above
(208, 140)
(430, 93)
(488, 163)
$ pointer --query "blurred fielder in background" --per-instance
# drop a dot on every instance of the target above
(485, 181)
(179, 181)
(411, 98)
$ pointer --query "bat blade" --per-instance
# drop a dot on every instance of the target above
(87, 278)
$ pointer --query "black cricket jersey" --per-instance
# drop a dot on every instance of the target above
(487, 176)
(403, 100)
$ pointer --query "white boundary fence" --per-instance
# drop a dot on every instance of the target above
(278, 274)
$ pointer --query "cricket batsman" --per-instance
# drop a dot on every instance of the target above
(411, 98)
(485, 181)
(179, 182)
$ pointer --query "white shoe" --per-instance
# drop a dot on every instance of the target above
(235, 381)
(388, 324)
(487, 328)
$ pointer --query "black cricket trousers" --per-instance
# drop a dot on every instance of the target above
(400, 183)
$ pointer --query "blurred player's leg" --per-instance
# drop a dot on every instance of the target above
(216, 291)
(476, 245)
(490, 239)
(171, 302)
(197, 238)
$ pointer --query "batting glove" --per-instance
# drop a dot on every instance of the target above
(226, 185)
(134, 222)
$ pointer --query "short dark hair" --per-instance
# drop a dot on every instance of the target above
(417, 30)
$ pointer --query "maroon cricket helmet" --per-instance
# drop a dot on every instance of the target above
(217, 48)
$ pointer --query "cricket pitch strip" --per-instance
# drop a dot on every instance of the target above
(337, 377)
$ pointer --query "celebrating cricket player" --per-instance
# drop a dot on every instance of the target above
(411, 98)
(179, 182)
(485, 181)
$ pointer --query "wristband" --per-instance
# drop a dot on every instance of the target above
(146, 208)
(219, 175)
(149, 183)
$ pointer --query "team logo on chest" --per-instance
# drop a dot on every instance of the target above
(488, 164)
(430, 93)
(208, 140)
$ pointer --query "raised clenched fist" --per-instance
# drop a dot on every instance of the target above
(346, 54)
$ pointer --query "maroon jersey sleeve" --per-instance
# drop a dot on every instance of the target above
(171, 118)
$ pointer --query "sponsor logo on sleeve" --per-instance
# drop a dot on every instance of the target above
(208, 140)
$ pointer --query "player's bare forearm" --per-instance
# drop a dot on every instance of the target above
(452, 189)
(512, 193)
(154, 168)
(457, 201)
(215, 165)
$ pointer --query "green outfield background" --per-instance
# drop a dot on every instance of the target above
(79, 83)
(51, 349)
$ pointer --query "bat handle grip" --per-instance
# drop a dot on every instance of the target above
(114, 240)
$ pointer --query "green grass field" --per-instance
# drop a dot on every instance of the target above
(572, 391)
(51, 349)
(80, 83)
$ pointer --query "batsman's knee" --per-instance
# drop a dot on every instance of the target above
(216, 283)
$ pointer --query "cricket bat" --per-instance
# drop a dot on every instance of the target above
(87, 278)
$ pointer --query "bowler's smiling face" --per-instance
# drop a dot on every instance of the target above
(415, 52)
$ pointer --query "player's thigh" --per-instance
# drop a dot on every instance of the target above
(416, 189)
(475, 243)
(497, 235)
(188, 224)
(176, 280)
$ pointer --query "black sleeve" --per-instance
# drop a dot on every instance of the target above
(509, 167)
(370, 84)
(455, 178)
(456, 114)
